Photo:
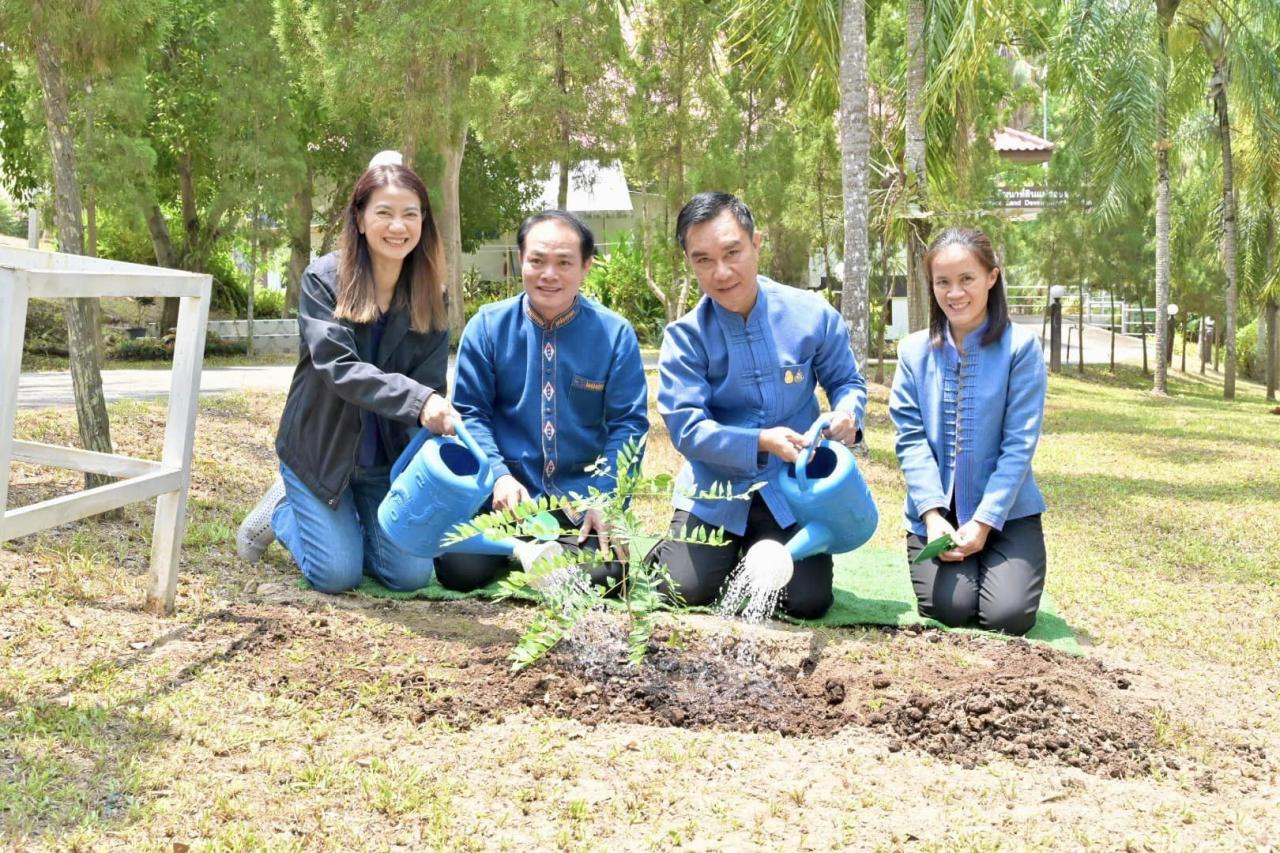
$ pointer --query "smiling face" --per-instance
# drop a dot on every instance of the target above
(552, 267)
(391, 223)
(961, 285)
(726, 261)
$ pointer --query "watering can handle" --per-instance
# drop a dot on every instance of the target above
(420, 438)
(802, 460)
(477, 451)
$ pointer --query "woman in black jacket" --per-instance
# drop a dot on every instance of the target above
(374, 356)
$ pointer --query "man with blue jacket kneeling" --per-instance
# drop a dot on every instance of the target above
(737, 378)
(548, 382)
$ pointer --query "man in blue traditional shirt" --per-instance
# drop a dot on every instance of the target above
(737, 376)
(548, 382)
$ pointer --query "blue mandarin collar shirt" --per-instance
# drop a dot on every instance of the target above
(546, 399)
(725, 378)
(968, 424)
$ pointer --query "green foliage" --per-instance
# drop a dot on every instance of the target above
(17, 154)
(139, 349)
(12, 221)
(122, 236)
(563, 602)
(46, 331)
(230, 291)
(619, 283)
(478, 292)
(495, 194)
(1247, 362)
(161, 349)
(268, 304)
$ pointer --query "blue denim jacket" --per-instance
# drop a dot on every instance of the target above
(998, 409)
(546, 399)
(722, 379)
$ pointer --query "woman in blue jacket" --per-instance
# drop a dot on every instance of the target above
(968, 402)
(372, 371)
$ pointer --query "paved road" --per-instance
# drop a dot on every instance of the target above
(54, 389)
(37, 390)
(1097, 343)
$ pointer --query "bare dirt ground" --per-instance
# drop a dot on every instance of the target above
(264, 715)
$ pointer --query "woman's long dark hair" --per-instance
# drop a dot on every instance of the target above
(421, 286)
(978, 245)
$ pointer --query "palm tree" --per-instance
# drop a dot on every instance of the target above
(1231, 44)
(1119, 84)
(820, 50)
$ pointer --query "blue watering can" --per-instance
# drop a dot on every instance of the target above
(832, 506)
(440, 481)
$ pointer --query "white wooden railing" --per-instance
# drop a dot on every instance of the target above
(26, 273)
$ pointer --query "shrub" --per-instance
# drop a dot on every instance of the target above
(161, 349)
(46, 331)
(229, 292)
(268, 304)
(619, 283)
(139, 349)
(1248, 364)
(477, 292)
(13, 222)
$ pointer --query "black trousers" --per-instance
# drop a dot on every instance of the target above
(699, 571)
(465, 572)
(997, 589)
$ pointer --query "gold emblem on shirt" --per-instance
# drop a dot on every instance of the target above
(791, 377)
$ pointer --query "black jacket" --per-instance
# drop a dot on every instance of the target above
(338, 376)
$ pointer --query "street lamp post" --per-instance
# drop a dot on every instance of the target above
(1172, 308)
(1055, 327)
(1206, 341)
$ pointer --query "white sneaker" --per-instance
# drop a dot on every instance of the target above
(255, 532)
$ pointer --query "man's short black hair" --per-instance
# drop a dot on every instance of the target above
(704, 207)
(585, 237)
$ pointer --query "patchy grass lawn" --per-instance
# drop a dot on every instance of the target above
(261, 715)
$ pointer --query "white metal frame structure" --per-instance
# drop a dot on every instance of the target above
(26, 273)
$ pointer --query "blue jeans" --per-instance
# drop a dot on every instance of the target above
(335, 547)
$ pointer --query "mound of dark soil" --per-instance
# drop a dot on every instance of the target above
(1032, 705)
(962, 698)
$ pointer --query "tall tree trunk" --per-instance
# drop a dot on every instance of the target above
(1113, 331)
(886, 311)
(451, 152)
(1273, 347)
(855, 140)
(822, 222)
(1142, 324)
(1165, 10)
(253, 280)
(1218, 87)
(566, 163)
(299, 240)
(337, 208)
(192, 238)
(161, 243)
(1080, 336)
(86, 375)
(919, 293)
(1272, 310)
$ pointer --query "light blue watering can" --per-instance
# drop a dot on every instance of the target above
(832, 506)
(440, 481)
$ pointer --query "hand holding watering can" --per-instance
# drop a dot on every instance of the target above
(438, 482)
(832, 505)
